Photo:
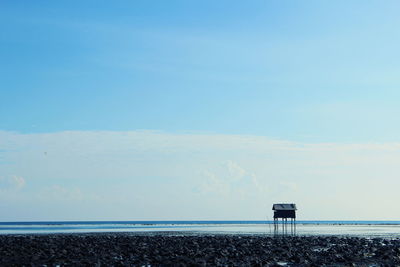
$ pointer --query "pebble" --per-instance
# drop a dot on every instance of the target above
(129, 249)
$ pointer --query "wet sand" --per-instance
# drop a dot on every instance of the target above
(133, 249)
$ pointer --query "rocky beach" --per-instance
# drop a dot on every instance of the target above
(127, 249)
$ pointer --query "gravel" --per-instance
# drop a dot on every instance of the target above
(126, 249)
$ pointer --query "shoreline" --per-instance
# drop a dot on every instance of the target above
(172, 248)
(363, 231)
(194, 222)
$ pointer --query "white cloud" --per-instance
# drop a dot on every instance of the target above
(231, 180)
(12, 182)
(58, 192)
(213, 184)
(235, 170)
(18, 181)
(153, 174)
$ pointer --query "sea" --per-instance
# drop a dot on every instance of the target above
(371, 229)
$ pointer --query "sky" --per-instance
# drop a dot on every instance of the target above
(199, 110)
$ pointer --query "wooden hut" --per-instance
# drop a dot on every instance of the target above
(284, 211)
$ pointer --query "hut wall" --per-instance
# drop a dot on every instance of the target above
(284, 214)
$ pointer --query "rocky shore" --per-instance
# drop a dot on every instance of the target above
(127, 249)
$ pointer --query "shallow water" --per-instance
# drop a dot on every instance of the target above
(387, 229)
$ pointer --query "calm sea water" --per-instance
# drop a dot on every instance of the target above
(387, 229)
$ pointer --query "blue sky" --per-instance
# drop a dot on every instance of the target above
(299, 72)
(303, 70)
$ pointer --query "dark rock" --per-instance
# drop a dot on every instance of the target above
(127, 249)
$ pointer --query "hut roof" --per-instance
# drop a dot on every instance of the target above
(284, 207)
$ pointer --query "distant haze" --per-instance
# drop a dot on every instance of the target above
(143, 175)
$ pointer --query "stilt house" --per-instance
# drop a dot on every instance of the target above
(284, 211)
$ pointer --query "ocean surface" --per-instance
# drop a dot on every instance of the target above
(386, 229)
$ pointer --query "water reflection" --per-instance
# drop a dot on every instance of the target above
(285, 227)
